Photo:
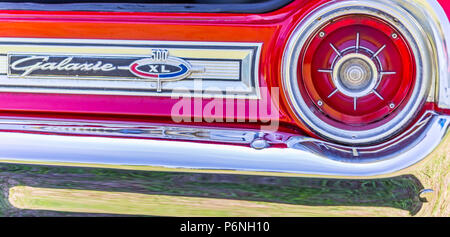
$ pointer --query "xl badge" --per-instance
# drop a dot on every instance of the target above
(159, 67)
(162, 67)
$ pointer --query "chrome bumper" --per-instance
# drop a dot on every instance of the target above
(211, 150)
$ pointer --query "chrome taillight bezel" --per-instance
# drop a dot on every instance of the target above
(393, 12)
(439, 30)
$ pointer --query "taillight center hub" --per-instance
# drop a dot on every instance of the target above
(355, 75)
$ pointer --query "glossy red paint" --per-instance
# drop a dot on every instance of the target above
(272, 29)
(445, 5)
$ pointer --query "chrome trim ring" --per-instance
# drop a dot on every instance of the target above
(389, 11)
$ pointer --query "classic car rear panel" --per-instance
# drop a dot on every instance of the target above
(111, 119)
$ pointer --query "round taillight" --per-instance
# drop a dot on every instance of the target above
(356, 72)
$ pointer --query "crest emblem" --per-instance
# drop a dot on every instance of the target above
(162, 67)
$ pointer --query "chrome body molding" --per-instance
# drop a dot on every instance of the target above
(200, 149)
(435, 23)
(434, 18)
(130, 67)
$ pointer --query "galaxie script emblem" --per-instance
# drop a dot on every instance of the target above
(159, 67)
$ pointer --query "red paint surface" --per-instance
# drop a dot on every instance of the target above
(445, 5)
(272, 29)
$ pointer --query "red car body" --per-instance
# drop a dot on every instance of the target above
(271, 29)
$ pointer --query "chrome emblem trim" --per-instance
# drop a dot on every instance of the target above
(162, 67)
(121, 67)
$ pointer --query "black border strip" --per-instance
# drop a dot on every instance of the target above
(262, 7)
(220, 45)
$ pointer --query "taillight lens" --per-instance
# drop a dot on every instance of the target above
(356, 71)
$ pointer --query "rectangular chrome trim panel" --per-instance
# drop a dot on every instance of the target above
(130, 130)
(230, 67)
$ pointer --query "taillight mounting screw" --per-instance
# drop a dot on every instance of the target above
(391, 105)
(319, 103)
(394, 36)
(321, 34)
